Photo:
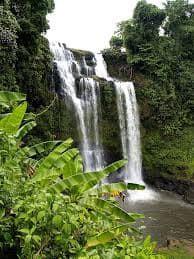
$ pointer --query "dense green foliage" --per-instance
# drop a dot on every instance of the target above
(49, 208)
(22, 23)
(26, 61)
(159, 59)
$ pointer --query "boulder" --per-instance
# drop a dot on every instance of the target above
(189, 195)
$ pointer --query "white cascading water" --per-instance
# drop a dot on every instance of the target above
(85, 105)
(89, 95)
(101, 68)
(128, 121)
(130, 132)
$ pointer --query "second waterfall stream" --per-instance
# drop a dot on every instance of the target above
(128, 122)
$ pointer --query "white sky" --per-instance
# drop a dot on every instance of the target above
(89, 24)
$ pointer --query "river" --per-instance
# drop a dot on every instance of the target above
(167, 216)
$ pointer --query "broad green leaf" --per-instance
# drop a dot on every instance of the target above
(113, 167)
(67, 228)
(48, 162)
(36, 149)
(107, 236)
(78, 162)
(37, 239)
(147, 241)
(41, 215)
(11, 123)
(24, 216)
(87, 180)
(2, 213)
(89, 186)
(25, 230)
(25, 129)
(111, 208)
(73, 167)
(133, 186)
(32, 229)
(9, 97)
(57, 164)
(108, 189)
(57, 220)
(47, 178)
(78, 179)
(106, 171)
(65, 157)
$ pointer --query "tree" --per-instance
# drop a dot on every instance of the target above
(147, 19)
(116, 42)
(8, 47)
(143, 28)
(179, 25)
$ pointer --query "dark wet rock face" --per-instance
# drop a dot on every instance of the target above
(57, 82)
(179, 186)
(90, 59)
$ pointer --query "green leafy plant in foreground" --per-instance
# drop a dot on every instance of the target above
(50, 208)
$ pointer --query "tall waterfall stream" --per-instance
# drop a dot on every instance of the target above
(86, 103)
(128, 122)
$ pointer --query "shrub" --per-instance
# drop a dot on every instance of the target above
(49, 208)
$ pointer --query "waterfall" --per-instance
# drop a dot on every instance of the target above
(129, 130)
(89, 95)
(85, 101)
(129, 123)
(130, 133)
(101, 68)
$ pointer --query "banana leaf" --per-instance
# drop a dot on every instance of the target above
(108, 235)
(7, 97)
(25, 129)
(10, 124)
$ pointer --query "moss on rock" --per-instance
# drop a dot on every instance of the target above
(79, 54)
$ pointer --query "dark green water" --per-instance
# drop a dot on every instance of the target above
(167, 216)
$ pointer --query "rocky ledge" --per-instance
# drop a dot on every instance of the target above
(182, 187)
